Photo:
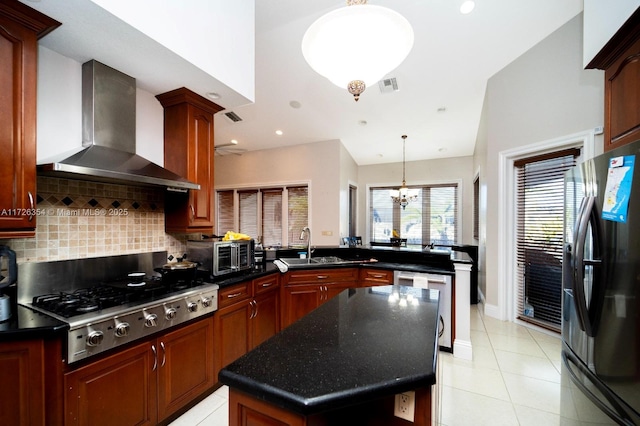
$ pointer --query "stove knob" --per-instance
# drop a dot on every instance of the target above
(95, 338)
(170, 313)
(192, 306)
(122, 329)
(206, 302)
(150, 320)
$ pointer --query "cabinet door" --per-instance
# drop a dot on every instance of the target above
(22, 390)
(185, 366)
(117, 390)
(334, 289)
(266, 317)
(231, 331)
(299, 300)
(20, 27)
(622, 99)
(201, 167)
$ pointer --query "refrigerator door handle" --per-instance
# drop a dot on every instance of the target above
(589, 316)
(577, 283)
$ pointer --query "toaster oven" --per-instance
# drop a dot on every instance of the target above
(222, 257)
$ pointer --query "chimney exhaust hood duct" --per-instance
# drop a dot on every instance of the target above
(108, 152)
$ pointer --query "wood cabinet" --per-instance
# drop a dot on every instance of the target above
(305, 290)
(143, 384)
(620, 60)
(248, 314)
(371, 276)
(20, 29)
(22, 392)
(188, 151)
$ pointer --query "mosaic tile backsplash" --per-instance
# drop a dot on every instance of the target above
(79, 219)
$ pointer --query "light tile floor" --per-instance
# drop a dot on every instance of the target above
(514, 379)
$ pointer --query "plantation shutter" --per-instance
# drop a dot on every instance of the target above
(540, 209)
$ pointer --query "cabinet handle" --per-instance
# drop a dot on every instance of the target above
(155, 357)
(193, 212)
(267, 285)
(164, 354)
(231, 296)
(429, 280)
(255, 307)
(378, 276)
(31, 206)
(322, 277)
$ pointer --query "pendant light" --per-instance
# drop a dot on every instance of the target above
(403, 195)
(356, 45)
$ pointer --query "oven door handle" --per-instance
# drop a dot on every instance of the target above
(155, 357)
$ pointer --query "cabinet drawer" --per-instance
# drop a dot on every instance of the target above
(322, 275)
(375, 277)
(266, 284)
(229, 295)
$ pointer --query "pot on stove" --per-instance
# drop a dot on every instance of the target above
(12, 269)
(181, 270)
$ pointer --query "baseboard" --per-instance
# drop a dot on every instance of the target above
(492, 311)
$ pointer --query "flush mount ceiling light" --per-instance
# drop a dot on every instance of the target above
(355, 46)
(403, 195)
(467, 6)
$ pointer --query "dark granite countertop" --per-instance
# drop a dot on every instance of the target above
(358, 346)
(26, 323)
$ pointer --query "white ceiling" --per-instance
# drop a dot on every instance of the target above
(453, 57)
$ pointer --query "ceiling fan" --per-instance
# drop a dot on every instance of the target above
(228, 148)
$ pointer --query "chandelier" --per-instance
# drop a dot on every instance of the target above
(355, 46)
(403, 195)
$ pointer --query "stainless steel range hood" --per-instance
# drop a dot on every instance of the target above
(108, 152)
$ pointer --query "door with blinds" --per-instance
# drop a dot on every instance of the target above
(539, 238)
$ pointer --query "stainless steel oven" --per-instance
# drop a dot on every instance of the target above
(222, 257)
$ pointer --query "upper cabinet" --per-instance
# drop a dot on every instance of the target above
(20, 29)
(188, 151)
(620, 60)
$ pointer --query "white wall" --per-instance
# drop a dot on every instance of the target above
(602, 19)
(219, 37)
(444, 170)
(59, 121)
(317, 164)
(542, 95)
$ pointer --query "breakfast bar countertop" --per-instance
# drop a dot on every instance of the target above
(363, 344)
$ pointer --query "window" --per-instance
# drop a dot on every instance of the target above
(539, 236)
(432, 218)
(270, 215)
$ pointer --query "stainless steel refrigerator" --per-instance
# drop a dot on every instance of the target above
(601, 282)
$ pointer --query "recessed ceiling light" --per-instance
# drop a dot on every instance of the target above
(279, 132)
(467, 6)
(213, 95)
(295, 104)
(233, 141)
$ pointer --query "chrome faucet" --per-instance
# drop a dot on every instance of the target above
(308, 231)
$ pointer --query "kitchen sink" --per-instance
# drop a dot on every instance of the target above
(324, 260)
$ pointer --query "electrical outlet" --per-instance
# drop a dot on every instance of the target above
(327, 233)
(405, 405)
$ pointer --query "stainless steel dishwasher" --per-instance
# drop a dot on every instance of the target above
(439, 282)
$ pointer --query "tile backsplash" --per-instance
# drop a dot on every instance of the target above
(79, 219)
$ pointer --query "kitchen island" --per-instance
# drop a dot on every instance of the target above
(343, 362)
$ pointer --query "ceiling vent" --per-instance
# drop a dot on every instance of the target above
(233, 117)
(388, 85)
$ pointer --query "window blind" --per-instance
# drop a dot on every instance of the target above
(539, 236)
(298, 216)
(225, 212)
(272, 217)
(248, 206)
